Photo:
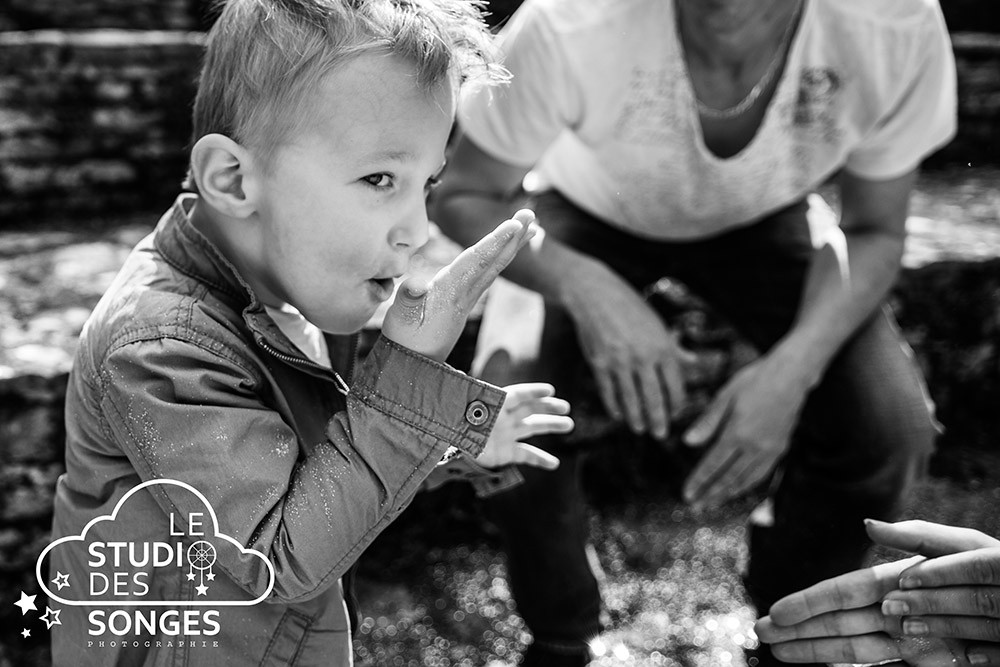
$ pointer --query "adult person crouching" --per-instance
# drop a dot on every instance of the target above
(681, 138)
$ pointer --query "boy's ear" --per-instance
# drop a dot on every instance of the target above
(224, 173)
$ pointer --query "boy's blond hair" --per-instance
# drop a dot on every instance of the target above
(265, 56)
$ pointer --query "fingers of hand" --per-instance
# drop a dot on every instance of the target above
(472, 271)
(672, 377)
(527, 391)
(527, 218)
(628, 398)
(982, 654)
(541, 424)
(859, 649)
(609, 395)
(834, 624)
(700, 486)
(981, 601)
(708, 425)
(749, 468)
(408, 305)
(958, 627)
(853, 590)
(529, 455)
(654, 401)
(980, 566)
(926, 538)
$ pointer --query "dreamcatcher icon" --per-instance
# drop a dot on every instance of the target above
(201, 556)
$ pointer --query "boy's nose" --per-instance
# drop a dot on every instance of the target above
(412, 232)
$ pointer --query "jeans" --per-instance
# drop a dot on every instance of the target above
(863, 437)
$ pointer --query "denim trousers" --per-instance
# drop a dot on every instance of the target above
(863, 437)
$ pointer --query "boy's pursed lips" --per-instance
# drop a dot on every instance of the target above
(384, 287)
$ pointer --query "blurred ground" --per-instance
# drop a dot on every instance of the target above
(672, 591)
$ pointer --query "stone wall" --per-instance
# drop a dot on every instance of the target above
(977, 59)
(94, 123)
(97, 123)
(96, 14)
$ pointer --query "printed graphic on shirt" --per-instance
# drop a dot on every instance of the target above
(817, 105)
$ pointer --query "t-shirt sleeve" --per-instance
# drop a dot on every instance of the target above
(516, 122)
(924, 115)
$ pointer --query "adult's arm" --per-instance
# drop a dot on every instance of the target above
(750, 422)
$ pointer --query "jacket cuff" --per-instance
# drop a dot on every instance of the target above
(484, 481)
(430, 396)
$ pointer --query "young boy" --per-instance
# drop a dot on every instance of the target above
(222, 355)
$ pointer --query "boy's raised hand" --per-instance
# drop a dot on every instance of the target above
(530, 409)
(428, 317)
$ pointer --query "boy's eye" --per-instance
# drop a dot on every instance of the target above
(381, 180)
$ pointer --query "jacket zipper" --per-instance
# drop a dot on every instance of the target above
(339, 383)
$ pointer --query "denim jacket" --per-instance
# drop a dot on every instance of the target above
(181, 374)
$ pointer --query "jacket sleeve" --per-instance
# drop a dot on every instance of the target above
(197, 412)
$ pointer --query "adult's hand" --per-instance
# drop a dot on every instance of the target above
(637, 361)
(529, 409)
(955, 595)
(428, 317)
(747, 426)
(842, 619)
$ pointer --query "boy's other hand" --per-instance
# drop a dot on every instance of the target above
(428, 317)
(530, 409)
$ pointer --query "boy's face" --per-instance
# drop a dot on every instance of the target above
(342, 209)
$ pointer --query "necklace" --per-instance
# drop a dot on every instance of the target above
(743, 105)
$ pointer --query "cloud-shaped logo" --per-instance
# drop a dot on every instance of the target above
(193, 559)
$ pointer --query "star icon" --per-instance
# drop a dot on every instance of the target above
(190, 576)
(26, 633)
(61, 580)
(210, 576)
(51, 617)
(202, 590)
(26, 603)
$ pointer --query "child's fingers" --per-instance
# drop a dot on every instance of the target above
(480, 264)
(549, 405)
(529, 455)
(527, 391)
(494, 257)
(539, 424)
(410, 301)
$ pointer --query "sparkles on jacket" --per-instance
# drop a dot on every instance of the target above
(181, 374)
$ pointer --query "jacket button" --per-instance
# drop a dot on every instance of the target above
(477, 413)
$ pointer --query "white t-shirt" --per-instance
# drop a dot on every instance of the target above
(602, 106)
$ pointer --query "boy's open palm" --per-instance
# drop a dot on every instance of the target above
(530, 409)
(428, 317)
